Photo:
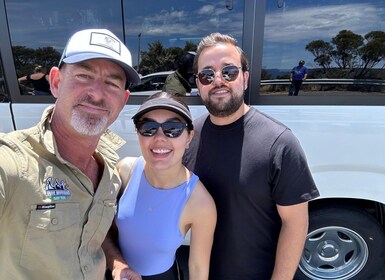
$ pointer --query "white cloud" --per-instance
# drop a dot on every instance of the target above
(323, 22)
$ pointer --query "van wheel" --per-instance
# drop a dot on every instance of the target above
(343, 243)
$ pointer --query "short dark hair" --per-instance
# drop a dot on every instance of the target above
(215, 39)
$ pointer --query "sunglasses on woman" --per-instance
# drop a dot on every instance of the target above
(171, 129)
(229, 74)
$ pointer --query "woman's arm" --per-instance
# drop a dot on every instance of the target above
(204, 216)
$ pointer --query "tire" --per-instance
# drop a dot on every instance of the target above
(343, 243)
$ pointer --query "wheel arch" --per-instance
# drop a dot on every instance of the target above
(376, 209)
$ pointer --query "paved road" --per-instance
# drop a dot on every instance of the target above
(183, 257)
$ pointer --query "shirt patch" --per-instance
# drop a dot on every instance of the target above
(57, 189)
(45, 206)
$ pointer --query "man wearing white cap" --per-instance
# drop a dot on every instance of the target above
(58, 181)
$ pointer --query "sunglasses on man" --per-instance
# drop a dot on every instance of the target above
(229, 73)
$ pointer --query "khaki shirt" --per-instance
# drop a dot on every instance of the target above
(52, 223)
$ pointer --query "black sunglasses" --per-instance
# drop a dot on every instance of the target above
(229, 74)
(171, 129)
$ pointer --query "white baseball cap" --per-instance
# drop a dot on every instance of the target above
(99, 43)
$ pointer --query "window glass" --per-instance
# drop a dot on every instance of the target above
(158, 34)
(3, 92)
(39, 31)
(342, 44)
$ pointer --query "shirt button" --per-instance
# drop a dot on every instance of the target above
(54, 221)
(85, 268)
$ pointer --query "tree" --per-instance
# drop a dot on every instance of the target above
(152, 59)
(158, 58)
(47, 57)
(24, 60)
(373, 52)
(27, 58)
(322, 52)
(355, 55)
(346, 44)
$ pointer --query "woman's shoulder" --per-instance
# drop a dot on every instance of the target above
(201, 199)
(125, 167)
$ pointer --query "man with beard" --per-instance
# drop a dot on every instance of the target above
(254, 168)
(58, 182)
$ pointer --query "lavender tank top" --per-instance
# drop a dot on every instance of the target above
(148, 222)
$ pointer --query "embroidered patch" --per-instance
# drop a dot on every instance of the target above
(56, 189)
(105, 41)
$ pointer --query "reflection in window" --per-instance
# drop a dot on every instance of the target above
(39, 31)
(160, 33)
(3, 92)
(341, 42)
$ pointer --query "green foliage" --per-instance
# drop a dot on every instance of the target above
(322, 52)
(158, 58)
(27, 58)
(356, 55)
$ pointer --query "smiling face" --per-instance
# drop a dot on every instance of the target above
(222, 98)
(159, 151)
(90, 95)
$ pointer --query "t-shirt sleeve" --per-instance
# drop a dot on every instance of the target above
(291, 179)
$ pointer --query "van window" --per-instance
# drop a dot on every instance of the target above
(341, 42)
(158, 34)
(3, 93)
(39, 30)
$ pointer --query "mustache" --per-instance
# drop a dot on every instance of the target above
(88, 99)
(218, 87)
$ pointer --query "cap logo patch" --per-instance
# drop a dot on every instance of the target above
(105, 41)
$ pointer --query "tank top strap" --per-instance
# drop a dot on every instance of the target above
(191, 183)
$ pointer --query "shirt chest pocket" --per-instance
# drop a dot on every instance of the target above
(52, 236)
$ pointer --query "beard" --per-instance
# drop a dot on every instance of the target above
(89, 124)
(223, 108)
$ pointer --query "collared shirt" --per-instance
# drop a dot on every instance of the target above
(52, 222)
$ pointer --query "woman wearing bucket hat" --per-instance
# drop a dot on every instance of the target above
(161, 199)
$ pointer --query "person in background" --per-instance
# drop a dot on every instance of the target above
(161, 199)
(58, 179)
(178, 82)
(254, 168)
(297, 75)
(36, 83)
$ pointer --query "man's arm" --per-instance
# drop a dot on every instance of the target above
(115, 261)
(291, 240)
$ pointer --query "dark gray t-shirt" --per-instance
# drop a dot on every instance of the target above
(248, 167)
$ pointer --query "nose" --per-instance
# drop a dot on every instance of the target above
(97, 89)
(218, 79)
(159, 134)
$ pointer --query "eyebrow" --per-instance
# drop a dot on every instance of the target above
(224, 65)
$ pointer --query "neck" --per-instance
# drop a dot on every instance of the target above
(242, 110)
(168, 178)
(75, 148)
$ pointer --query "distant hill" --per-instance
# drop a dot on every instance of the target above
(274, 73)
